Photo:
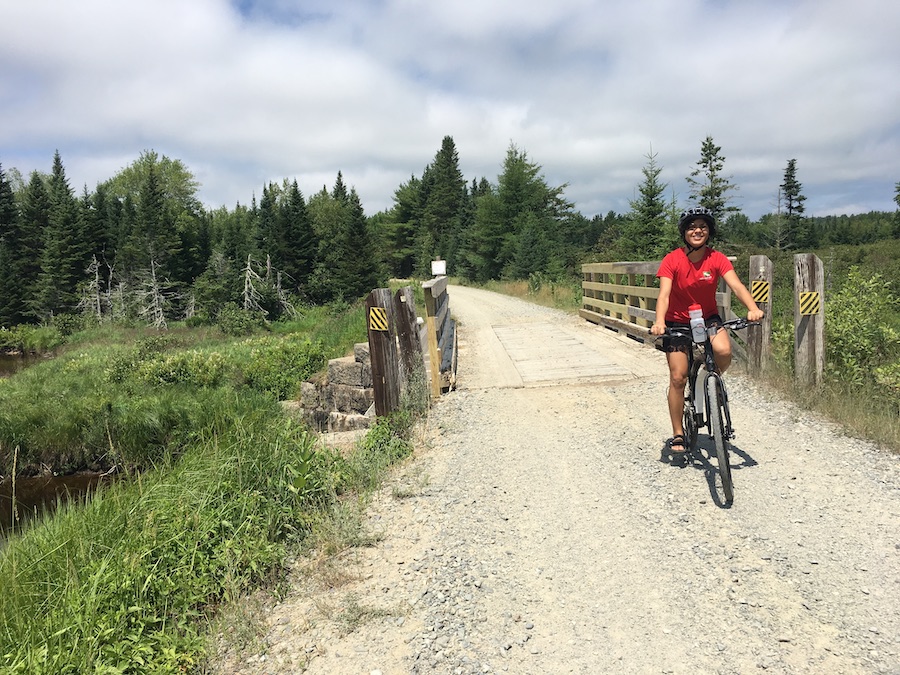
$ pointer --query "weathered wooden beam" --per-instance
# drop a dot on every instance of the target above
(381, 328)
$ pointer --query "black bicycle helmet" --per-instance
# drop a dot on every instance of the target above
(690, 215)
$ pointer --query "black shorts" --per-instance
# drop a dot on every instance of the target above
(681, 343)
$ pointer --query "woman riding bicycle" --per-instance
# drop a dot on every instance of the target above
(688, 276)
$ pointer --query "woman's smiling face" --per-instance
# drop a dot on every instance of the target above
(697, 232)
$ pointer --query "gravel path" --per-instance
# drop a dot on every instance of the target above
(539, 529)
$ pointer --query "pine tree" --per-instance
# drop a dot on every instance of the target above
(796, 227)
(339, 192)
(159, 239)
(897, 212)
(443, 200)
(501, 215)
(708, 187)
(35, 220)
(12, 301)
(299, 253)
(62, 261)
(364, 272)
(175, 243)
(644, 233)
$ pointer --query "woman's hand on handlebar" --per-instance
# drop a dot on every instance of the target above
(755, 315)
(658, 329)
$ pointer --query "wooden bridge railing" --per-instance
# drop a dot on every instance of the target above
(441, 336)
(622, 296)
(399, 346)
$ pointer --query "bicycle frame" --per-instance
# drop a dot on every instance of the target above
(694, 418)
(713, 378)
(716, 415)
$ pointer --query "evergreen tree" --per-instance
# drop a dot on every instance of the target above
(397, 234)
(443, 200)
(708, 187)
(339, 192)
(158, 240)
(62, 261)
(644, 234)
(268, 221)
(364, 273)
(177, 238)
(298, 253)
(35, 219)
(897, 212)
(501, 215)
(797, 228)
(346, 267)
(12, 301)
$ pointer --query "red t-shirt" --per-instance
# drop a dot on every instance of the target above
(693, 283)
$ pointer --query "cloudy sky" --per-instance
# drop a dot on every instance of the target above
(250, 91)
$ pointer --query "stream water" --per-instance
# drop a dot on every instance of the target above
(29, 497)
(13, 363)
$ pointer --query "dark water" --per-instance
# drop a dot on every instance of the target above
(13, 363)
(41, 494)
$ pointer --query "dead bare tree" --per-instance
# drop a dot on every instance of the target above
(252, 296)
(91, 302)
(153, 300)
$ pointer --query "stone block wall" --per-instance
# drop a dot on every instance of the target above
(345, 401)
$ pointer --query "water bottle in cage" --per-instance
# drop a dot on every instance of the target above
(698, 325)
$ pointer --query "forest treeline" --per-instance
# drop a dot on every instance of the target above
(142, 248)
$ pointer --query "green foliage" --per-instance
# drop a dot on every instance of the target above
(858, 327)
(125, 582)
(30, 339)
(278, 365)
(645, 234)
(708, 187)
(132, 572)
(382, 447)
(236, 322)
(189, 367)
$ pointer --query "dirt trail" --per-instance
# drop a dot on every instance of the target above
(540, 530)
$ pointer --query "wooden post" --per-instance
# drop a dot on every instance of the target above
(380, 325)
(436, 313)
(809, 319)
(759, 338)
(407, 335)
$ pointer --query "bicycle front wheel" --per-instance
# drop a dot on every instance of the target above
(717, 415)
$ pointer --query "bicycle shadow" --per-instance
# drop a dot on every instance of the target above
(703, 458)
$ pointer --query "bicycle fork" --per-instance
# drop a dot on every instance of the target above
(715, 380)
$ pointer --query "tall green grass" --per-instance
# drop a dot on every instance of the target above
(127, 582)
(120, 584)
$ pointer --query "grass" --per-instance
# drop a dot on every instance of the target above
(130, 581)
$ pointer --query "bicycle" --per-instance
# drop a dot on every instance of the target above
(707, 405)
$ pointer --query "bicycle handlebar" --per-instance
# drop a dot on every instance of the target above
(685, 331)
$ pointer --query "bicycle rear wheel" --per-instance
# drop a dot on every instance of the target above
(717, 415)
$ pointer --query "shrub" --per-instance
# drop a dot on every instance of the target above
(188, 367)
(235, 322)
(279, 365)
(857, 327)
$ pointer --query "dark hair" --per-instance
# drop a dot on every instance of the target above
(690, 215)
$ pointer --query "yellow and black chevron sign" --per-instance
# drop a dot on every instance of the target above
(378, 318)
(810, 303)
(760, 290)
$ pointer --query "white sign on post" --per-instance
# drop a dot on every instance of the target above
(439, 268)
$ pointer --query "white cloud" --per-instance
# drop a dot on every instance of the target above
(304, 89)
